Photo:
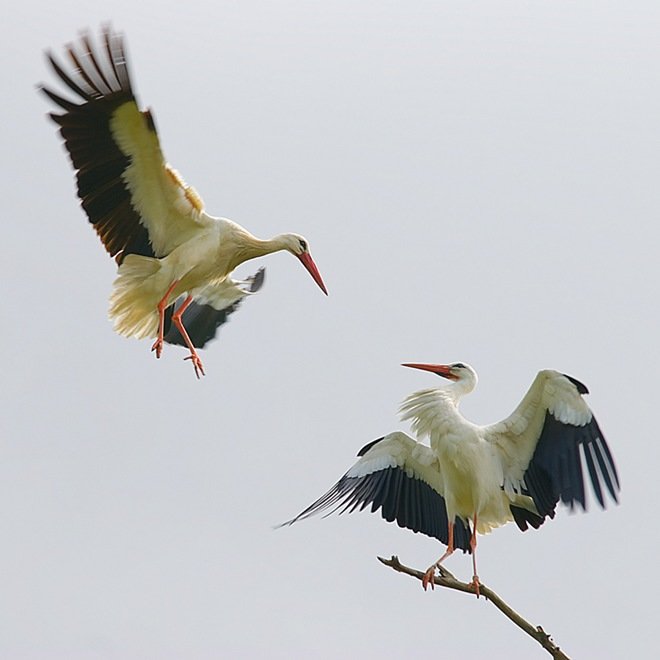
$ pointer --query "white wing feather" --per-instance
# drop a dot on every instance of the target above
(398, 449)
(516, 437)
(220, 294)
(171, 211)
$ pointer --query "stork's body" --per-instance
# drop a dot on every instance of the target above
(470, 466)
(473, 478)
(167, 246)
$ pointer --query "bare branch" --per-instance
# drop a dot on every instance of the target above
(446, 579)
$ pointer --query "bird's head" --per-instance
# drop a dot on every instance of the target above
(459, 372)
(298, 246)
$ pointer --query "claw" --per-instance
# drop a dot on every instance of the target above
(430, 573)
(197, 364)
(158, 347)
(475, 584)
(428, 578)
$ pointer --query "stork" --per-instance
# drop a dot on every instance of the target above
(175, 260)
(476, 478)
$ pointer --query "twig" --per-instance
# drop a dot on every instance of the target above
(446, 579)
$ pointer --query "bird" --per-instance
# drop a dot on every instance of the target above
(174, 259)
(472, 479)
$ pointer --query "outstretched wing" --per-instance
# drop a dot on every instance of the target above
(135, 200)
(202, 319)
(401, 478)
(546, 441)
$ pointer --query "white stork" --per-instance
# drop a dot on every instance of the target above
(167, 247)
(475, 478)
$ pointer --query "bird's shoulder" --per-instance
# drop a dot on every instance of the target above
(550, 392)
(394, 450)
(136, 200)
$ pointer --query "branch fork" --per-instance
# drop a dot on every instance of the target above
(447, 579)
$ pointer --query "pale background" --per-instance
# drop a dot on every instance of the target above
(479, 181)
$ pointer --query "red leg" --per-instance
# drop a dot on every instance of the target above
(428, 576)
(162, 306)
(176, 319)
(473, 547)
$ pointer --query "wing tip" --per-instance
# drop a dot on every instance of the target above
(369, 445)
(257, 280)
(581, 387)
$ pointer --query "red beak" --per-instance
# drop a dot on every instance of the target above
(443, 370)
(308, 263)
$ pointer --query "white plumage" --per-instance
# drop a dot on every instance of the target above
(476, 478)
(167, 246)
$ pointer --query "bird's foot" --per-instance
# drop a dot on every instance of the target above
(158, 346)
(475, 584)
(428, 577)
(197, 364)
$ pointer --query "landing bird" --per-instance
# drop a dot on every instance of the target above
(475, 478)
(167, 247)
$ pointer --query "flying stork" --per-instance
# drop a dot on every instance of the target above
(475, 478)
(175, 260)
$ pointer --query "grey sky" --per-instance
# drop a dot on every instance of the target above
(478, 181)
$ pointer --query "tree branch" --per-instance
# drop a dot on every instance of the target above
(446, 579)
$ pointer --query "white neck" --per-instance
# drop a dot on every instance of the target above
(435, 407)
(250, 247)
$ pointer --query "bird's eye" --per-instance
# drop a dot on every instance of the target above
(458, 365)
(303, 245)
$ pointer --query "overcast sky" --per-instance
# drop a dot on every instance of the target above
(478, 181)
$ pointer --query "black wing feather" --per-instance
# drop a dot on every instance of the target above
(103, 84)
(593, 473)
(523, 518)
(555, 471)
(409, 501)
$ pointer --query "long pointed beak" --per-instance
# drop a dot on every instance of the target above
(443, 370)
(308, 263)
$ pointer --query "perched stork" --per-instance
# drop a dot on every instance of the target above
(475, 478)
(167, 247)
